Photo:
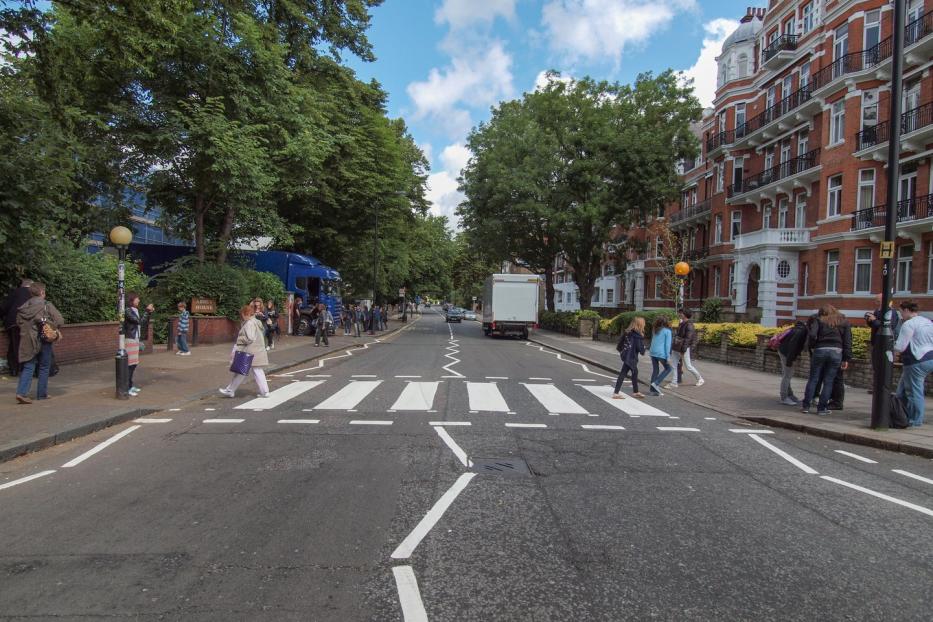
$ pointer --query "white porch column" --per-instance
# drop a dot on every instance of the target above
(639, 290)
(767, 290)
(741, 286)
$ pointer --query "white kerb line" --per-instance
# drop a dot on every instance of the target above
(797, 463)
(856, 456)
(916, 477)
(409, 595)
(110, 441)
(868, 491)
(28, 478)
(412, 540)
(454, 447)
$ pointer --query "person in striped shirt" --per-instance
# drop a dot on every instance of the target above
(182, 338)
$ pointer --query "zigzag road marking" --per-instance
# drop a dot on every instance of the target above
(561, 358)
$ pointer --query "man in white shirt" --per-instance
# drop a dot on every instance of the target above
(915, 344)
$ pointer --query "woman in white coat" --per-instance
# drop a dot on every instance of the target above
(251, 339)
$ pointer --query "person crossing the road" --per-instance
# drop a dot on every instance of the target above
(660, 351)
(631, 345)
(685, 342)
(250, 339)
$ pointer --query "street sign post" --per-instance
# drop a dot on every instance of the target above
(887, 250)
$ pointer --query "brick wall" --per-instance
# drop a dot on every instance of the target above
(84, 342)
(206, 330)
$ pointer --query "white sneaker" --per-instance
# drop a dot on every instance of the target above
(185, 353)
(263, 394)
(225, 392)
(672, 385)
(700, 382)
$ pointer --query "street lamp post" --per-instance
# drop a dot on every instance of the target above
(681, 270)
(121, 237)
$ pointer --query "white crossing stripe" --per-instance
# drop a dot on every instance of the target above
(28, 478)
(486, 396)
(602, 427)
(857, 457)
(449, 423)
(416, 396)
(222, 421)
(630, 405)
(144, 420)
(281, 395)
(874, 493)
(348, 397)
(675, 429)
(369, 422)
(554, 400)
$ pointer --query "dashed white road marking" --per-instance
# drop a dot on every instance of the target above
(412, 540)
(875, 493)
(794, 461)
(749, 431)
(28, 478)
(364, 376)
(416, 396)
(280, 395)
(370, 422)
(539, 379)
(210, 410)
(350, 396)
(174, 410)
(100, 447)
(408, 376)
(602, 427)
(525, 425)
(582, 380)
(454, 447)
(144, 420)
(409, 595)
(497, 377)
(224, 420)
(912, 475)
(449, 423)
(554, 400)
(856, 457)
(710, 418)
(299, 420)
(669, 428)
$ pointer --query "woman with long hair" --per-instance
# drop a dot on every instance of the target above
(630, 346)
(660, 351)
(830, 340)
(135, 329)
(251, 339)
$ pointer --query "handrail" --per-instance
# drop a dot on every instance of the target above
(693, 210)
(852, 62)
(918, 29)
(776, 111)
(911, 121)
(783, 43)
(776, 173)
(720, 139)
(914, 208)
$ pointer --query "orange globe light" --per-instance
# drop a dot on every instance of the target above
(682, 268)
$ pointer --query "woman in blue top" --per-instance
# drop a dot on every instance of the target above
(660, 351)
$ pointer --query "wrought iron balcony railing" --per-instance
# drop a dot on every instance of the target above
(914, 208)
(911, 121)
(776, 173)
(784, 43)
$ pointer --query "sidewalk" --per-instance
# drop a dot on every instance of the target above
(753, 395)
(81, 397)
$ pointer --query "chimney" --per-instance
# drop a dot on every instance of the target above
(749, 15)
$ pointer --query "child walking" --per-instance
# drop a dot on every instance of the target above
(660, 351)
(182, 338)
(630, 346)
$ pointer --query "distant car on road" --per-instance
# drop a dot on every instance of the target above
(454, 314)
(469, 315)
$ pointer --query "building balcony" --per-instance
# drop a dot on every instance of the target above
(779, 52)
(785, 238)
(718, 141)
(912, 214)
(691, 214)
(782, 178)
(916, 132)
(851, 67)
(797, 107)
(918, 44)
(696, 255)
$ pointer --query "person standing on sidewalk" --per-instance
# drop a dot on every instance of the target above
(271, 323)
(874, 321)
(357, 320)
(660, 351)
(135, 329)
(8, 310)
(34, 348)
(830, 341)
(322, 323)
(685, 342)
(345, 321)
(181, 339)
(296, 316)
(790, 348)
(915, 344)
(630, 346)
(250, 339)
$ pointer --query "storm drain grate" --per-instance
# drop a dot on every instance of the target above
(500, 466)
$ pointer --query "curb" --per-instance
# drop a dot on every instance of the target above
(45, 441)
(847, 437)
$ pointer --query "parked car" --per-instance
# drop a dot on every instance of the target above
(469, 315)
(454, 314)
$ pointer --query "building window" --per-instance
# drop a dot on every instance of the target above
(596, 294)
(736, 224)
(658, 282)
(782, 213)
(803, 143)
(766, 217)
(731, 279)
(866, 188)
(560, 296)
(807, 18)
(790, 26)
(738, 173)
(834, 197)
(869, 109)
(804, 75)
(872, 29)
(930, 270)
(800, 218)
(905, 264)
(837, 123)
(743, 65)
(717, 276)
(610, 269)
(739, 115)
(862, 270)
(805, 280)
(832, 272)
(658, 246)
(717, 231)
(783, 269)
(610, 296)
(720, 177)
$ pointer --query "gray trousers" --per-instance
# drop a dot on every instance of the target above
(787, 373)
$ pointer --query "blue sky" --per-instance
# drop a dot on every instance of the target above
(444, 63)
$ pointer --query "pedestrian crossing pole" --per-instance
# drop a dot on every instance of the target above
(881, 396)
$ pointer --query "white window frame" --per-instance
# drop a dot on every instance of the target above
(805, 281)
(803, 143)
(658, 282)
(832, 272)
(766, 217)
(837, 122)
(804, 79)
(720, 177)
(863, 183)
(869, 102)
(717, 229)
(834, 196)
(807, 17)
(610, 295)
(905, 263)
(863, 268)
(800, 208)
(783, 210)
(733, 221)
(731, 279)
(717, 276)
(739, 108)
(867, 26)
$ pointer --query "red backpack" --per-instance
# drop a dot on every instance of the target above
(777, 338)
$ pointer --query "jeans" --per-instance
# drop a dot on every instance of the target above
(626, 370)
(787, 373)
(688, 366)
(44, 360)
(319, 333)
(910, 388)
(182, 341)
(824, 365)
(658, 376)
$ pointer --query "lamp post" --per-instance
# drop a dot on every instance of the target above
(681, 270)
(121, 237)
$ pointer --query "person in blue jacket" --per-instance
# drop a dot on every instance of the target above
(630, 346)
(660, 351)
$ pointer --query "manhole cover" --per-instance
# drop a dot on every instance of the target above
(500, 466)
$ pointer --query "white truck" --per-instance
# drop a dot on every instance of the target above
(510, 304)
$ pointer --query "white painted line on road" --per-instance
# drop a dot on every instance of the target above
(174, 410)
(416, 396)
(151, 420)
(667, 428)
(411, 542)
(449, 423)
(511, 412)
(369, 422)
(432, 411)
(630, 405)
(100, 447)
(318, 376)
(350, 396)
(307, 410)
(497, 377)
(750, 431)
(281, 395)
(408, 376)
(710, 418)
(554, 400)
(562, 359)
(916, 477)
(458, 377)
(526, 425)
(454, 447)
(582, 380)
(210, 410)
(539, 378)
(299, 420)
(673, 417)
(874, 493)
(224, 420)
(364, 376)
(857, 457)
(794, 461)
(28, 478)
(486, 396)
(409, 595)
(602, 427)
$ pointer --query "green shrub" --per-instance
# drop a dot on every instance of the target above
(570, 320)
(711, 310)
(621, 322)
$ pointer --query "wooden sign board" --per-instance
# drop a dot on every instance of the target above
(204, 306)
(887, 250)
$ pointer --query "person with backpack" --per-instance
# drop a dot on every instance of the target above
(915, 345)
(830, 341)
(660, 351)
(685, 342)
(630, 346)
(39, 322)
(790, 344)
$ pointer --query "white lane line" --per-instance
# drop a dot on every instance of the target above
(318, 376)
(497, 377)
(668, 428)
(602, 427)
(874, 493)
(539, 378)
(914, 476)
(561, 358)
(630, 405)
(174, 410)
(409, 596)
(486, 396)
(369, 422)
(710, 418)
(554, 400)
(224, 420)
(794, 461)
(857, 457)
(749, 431)
(28, 478)
(364, 376)
(412, 540)
(582, 380)
(416, 396)
(408, 376)
(151, 420)
(454, 447)
(525, 425)
(299, 420)
(281, 395)
(210, 410)
(350, 396)
(100, 447)
(449, 423)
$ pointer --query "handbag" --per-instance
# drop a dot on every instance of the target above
(242, 362)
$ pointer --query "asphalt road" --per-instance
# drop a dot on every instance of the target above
(359, 492)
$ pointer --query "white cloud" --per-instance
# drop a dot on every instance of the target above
(596, 29)
(444, 196)
(462, 13)
(455, 157)
(542, 79)
(704, 70)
